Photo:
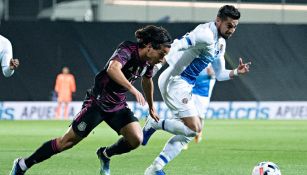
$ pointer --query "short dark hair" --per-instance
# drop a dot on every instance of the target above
(228, 11)
(157, 36)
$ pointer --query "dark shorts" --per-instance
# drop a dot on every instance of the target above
(92, 115)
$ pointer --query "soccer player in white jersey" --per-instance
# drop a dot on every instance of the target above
(8, 64)
(187, 58)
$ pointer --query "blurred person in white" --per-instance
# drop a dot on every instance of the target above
(188, 56)
(8, 64)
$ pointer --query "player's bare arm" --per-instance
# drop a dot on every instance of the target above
(148, 89)
(115, 73)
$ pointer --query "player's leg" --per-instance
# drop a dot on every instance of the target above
(172, 149)
(202, 104)
(198, 138)
(178, 99)
(176, 94)
(125, 124)
(174, 146)
(174, 126)
(47, 150)
(82, 125)
(186, 123)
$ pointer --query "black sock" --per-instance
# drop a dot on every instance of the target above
(120, 147)
(44, 152)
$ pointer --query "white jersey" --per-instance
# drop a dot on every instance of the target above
(192, 53)
(189, 56)
(6, 54)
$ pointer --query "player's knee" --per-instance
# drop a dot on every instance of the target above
(191, 131)
(195, 127)
(64, 144)
(135, 141)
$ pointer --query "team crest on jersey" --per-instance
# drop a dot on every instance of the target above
(82, 126)
(185, 100)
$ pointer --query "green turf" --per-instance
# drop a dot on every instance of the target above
(230, 147)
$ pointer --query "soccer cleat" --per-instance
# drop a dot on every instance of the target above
(148, 130)
(104, 162)
(16, 170)
(160, 172)
(151, 170)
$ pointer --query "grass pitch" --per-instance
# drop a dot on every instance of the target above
(229, 147)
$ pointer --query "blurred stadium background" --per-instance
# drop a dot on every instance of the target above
(258, 117)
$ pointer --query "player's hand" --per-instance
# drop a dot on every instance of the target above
(243, 67)
(153, 114)
(14, 63)
(138, 96)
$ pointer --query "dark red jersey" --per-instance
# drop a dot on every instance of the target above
(110, 95)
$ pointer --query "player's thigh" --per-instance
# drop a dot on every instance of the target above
(201, 103)
(194, 123)
(133, 132)
(120, 119)
(69, 139)
(87, 119)
(179, 98)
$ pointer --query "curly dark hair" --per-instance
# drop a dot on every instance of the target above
(157, 36)
(228, 11)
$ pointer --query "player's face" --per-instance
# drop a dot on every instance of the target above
(157, 55)
(226, 27)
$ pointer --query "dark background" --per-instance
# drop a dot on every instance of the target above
(277, 52)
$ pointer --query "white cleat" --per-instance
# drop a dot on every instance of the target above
(148, 129)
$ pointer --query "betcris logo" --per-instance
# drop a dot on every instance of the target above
(239, 111)
(217, 110)
(142, 111)
(6, 113)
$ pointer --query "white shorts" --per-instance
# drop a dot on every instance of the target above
(177, 95)
(201, 104)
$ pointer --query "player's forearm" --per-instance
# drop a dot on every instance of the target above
(233, 73)
(117, 75)
(148, 88)
(7, 72)
(224, 75)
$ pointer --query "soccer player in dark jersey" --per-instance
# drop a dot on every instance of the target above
(106, 101)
